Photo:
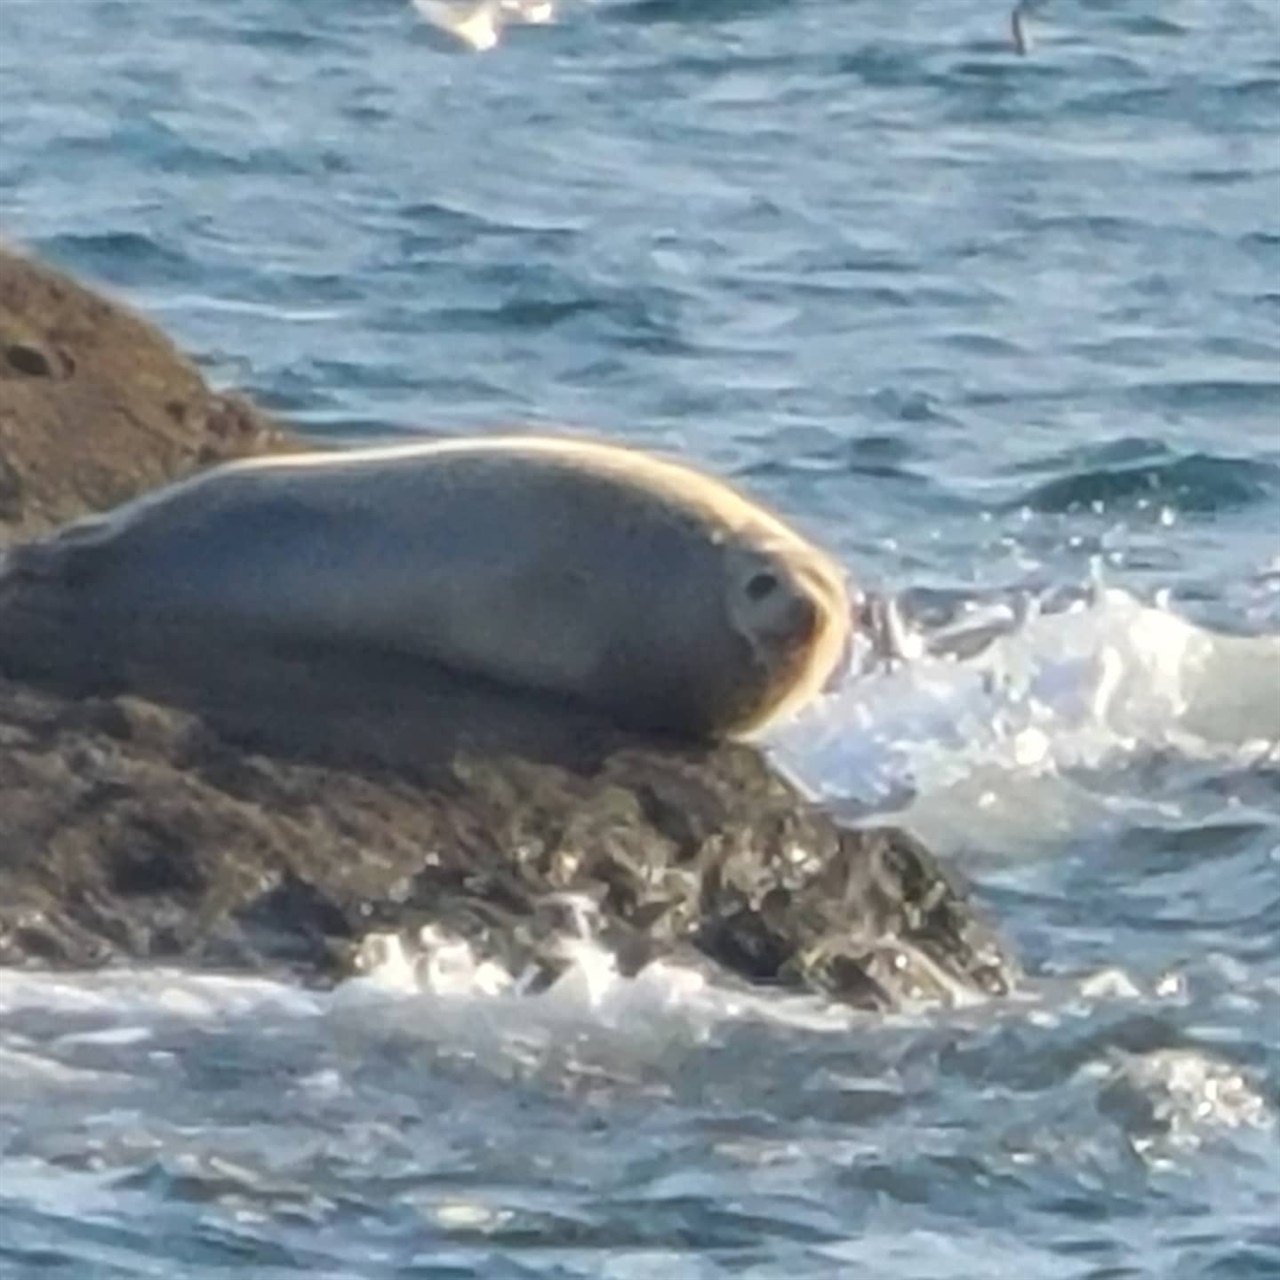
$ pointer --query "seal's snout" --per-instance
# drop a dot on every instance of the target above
(801, 619)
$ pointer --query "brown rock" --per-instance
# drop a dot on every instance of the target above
(277, 815)
(96, 405)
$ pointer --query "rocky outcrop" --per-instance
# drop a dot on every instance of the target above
(285, 813)
(97, 405)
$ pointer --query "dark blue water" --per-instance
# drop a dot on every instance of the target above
(1003, 331)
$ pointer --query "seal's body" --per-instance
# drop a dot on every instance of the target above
(638, 586)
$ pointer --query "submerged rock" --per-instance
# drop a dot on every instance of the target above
(278, 816)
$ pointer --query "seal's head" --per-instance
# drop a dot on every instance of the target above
(728, 630)
(789, 603)
(721, 616)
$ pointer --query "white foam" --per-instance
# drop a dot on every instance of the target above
(1186, 1096)
(137, 996)
(1077, 689)
(437, 983)
(435, 992)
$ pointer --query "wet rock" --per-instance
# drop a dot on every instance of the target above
(278, 812)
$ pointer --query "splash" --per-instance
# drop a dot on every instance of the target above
(1174, 1100)
(1019, 695)
(74, 1033)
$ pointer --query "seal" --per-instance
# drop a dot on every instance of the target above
(641, 587)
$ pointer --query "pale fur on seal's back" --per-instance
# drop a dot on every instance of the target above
(640, 586)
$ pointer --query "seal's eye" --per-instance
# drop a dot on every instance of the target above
(761, 585)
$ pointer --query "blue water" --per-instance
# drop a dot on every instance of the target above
(1005, 333)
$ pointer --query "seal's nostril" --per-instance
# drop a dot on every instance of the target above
(803, 617)
(761, 584)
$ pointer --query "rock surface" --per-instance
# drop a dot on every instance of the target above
(96, 405)
(300, 807)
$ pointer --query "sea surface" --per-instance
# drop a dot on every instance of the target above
(1001, 329)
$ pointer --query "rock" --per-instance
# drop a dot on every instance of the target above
(284, 816)
(96, 405)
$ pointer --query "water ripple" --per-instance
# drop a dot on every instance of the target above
(1195, 483)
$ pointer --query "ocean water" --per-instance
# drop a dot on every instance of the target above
(1004, 331)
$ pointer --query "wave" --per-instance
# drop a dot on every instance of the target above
(1050, 689)
(1192, 483)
